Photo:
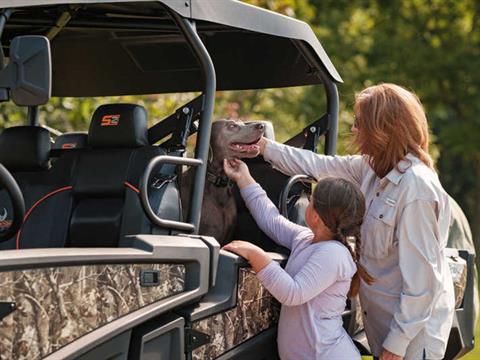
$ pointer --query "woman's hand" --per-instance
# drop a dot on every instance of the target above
(254, 255)
(238, 171)
(262, 143)
(387, 355)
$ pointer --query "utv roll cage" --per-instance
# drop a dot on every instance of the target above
(226, 26)
(118, 47)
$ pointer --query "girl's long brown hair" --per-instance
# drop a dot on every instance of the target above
(341, 206)
(391, 123)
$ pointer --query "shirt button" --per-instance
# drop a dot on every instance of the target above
(381, 216)
(365, 313)
(378, 194)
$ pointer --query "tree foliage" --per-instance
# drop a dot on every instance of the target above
(429, 46)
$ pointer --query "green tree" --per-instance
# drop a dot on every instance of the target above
(431, 47)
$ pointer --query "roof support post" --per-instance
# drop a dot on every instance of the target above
(332, 98)
(332, 113)
(188, 29)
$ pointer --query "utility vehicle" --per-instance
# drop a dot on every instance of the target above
(96, 262)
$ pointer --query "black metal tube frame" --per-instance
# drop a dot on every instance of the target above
(332, 98)
(114, 25)
(32, 115)
(205, 124)
(154, 218)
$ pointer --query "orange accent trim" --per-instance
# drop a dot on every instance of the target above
(19, 233)
(131, 187)
(69, 146)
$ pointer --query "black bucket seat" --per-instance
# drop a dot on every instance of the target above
(71, 140)
(106, 202)
(24, 151)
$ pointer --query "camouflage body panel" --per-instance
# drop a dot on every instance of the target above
(256, 311)
(57, 305)
(458, 268)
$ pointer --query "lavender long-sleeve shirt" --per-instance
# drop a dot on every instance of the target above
(312, 289)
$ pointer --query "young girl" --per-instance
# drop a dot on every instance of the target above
(314, 285)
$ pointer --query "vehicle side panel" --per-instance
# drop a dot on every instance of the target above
(255, 312)
(56, 305)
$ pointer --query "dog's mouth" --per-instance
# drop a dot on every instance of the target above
(251, 147)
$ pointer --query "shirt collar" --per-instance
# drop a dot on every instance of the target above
(396, 174)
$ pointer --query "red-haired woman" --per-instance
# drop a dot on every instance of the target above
(408, 308)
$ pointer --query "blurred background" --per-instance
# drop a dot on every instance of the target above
(429, 46)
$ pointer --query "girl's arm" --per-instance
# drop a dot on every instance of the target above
(318, 273)
(277, 227)
(292, 161)
(265, 213)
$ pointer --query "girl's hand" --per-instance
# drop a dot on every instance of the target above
(242, 248)
(238, 171)
(254, 255)
(387, 355)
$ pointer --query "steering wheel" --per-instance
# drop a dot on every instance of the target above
(8, 183)
(283, 202)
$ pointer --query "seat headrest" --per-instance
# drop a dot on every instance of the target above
(25, 148)
(118, 126)
(72, 140)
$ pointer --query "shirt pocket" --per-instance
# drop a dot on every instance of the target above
(378, 231)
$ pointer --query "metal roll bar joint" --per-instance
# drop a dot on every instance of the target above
(154, 218)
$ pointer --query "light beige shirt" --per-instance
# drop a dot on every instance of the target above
(409, 308)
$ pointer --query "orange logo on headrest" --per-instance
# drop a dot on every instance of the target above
(110, 120)
(69, 146)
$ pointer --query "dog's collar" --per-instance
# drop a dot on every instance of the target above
(219, 180)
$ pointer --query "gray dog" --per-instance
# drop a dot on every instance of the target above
(230, 139)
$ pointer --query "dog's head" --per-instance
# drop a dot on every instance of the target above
(235, 139)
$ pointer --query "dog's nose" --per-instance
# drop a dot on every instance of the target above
(260, 126)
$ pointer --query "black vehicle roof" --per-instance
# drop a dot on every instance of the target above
(115, 47)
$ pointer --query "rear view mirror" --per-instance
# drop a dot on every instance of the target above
(27, 79)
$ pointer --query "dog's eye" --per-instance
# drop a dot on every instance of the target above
(232, 126)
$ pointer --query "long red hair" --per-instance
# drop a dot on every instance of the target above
(391, 123)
